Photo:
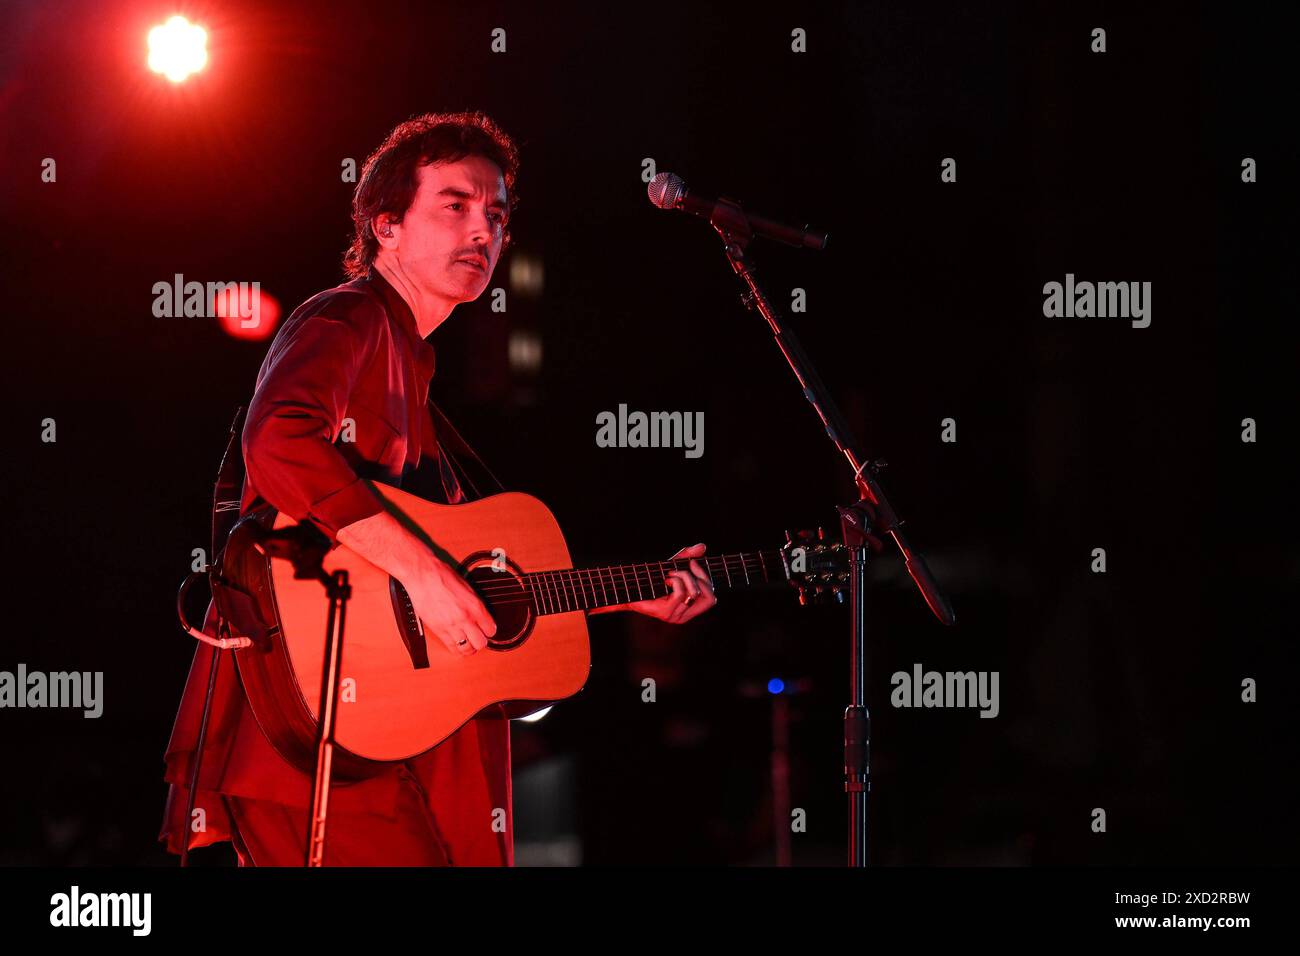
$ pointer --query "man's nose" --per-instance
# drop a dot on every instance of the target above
(482, 230)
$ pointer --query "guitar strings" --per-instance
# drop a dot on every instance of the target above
(577, 578)
(567, 594)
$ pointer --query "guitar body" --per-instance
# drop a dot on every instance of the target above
(403, 692)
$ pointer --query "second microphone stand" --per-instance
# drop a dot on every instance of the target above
(870, 514)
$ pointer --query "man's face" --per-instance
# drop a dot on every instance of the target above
(459, 212)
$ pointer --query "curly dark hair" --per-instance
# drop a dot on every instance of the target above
(388, 181)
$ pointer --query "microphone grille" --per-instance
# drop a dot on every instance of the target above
(666, 190)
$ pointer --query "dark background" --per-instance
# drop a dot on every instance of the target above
(1119, 691)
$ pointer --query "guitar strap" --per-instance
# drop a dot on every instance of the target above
(230, 485)
(241, 594)
(230, 475)
(237, 610)
(450, 442)
(238, 598)
(237, 577)
(240, 606)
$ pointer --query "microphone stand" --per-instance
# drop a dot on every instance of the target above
(306, 548)
(871, 513)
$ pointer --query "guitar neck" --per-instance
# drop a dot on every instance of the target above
(579, 589)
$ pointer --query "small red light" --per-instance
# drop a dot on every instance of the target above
(248, 313)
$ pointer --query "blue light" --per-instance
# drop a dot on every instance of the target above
(775, 685)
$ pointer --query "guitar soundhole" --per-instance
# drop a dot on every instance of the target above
(498, 582)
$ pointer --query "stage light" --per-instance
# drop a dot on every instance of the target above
(524, 350)
(177, 48)
(248, 314)
(775, 685)
(526, 274)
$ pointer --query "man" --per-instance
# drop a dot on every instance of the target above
(341, 398)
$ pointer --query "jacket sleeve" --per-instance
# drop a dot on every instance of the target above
(296, 415)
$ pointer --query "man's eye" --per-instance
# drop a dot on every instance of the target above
(453, 205)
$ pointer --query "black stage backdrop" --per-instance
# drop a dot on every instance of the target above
(1119, 690)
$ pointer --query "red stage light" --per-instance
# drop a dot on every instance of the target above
(251, 315)
(177, 48)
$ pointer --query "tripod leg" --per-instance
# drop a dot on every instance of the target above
(339, 592)
(197, 761)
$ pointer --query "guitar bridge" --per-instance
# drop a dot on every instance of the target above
(409, 625)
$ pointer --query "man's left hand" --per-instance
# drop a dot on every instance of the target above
(691, 594)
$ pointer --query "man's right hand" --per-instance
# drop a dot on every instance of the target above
(447, 605)
(449, 608)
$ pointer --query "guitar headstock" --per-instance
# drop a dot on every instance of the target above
(819, 568)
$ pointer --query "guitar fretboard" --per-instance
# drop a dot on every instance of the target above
(578, 589)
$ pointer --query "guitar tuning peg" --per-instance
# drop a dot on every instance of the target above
(839, 596)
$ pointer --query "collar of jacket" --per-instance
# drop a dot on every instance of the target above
(401, 313)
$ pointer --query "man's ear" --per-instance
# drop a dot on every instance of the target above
(385, 228)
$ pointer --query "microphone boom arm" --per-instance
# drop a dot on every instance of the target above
(736, 229)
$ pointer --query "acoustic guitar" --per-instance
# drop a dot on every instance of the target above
(402, 692)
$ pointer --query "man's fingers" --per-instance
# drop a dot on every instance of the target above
(694, 551)
(702, 576)
(476, 611)
(479, 615)
(458, 638)
(678, 603)
(477, 639)
(687, 587)
(461, 639)
(677, 593)
(450, 635)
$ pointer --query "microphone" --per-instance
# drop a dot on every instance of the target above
(668, 191)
